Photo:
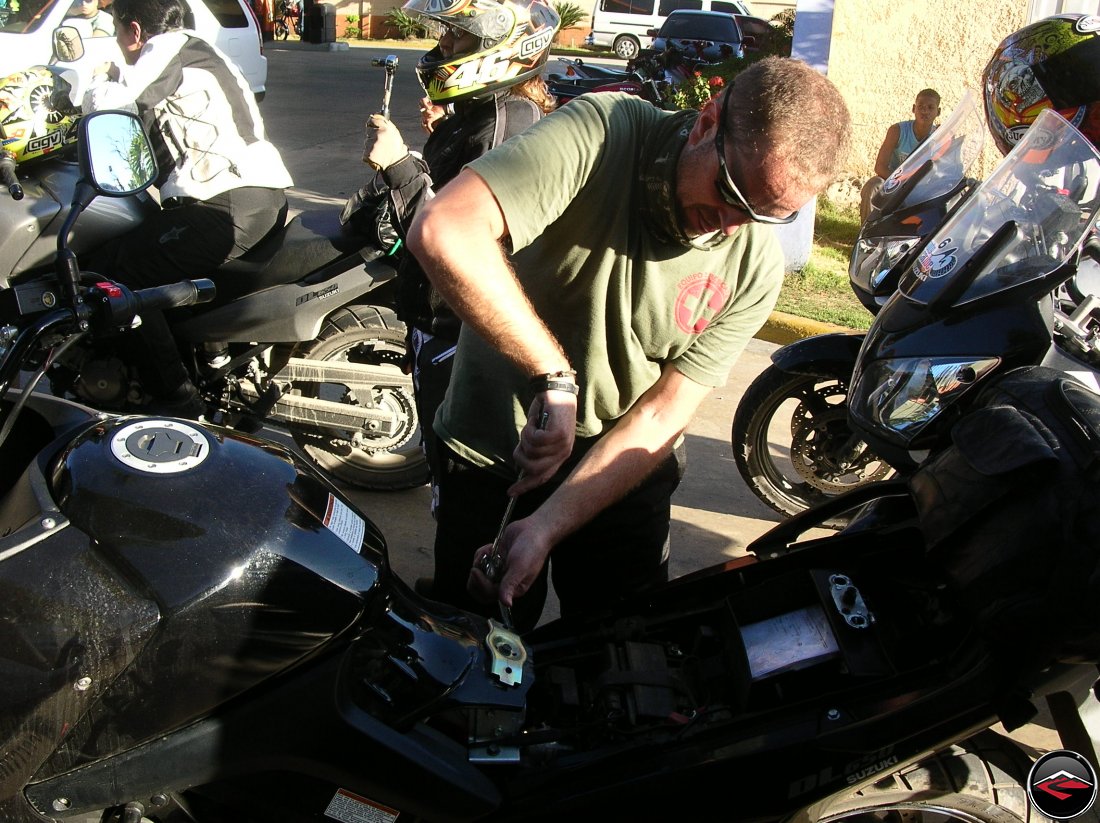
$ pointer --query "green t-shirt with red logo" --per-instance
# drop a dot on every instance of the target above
(621, 301)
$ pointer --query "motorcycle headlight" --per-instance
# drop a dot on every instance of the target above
(900, 397)
(873, 257)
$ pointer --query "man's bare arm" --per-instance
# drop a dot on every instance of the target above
(616, 464)
(457, 240)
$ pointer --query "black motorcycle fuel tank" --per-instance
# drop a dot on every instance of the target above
(251, 561)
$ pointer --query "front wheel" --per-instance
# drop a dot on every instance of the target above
(282, 30)
(792, 443)
(367, 335)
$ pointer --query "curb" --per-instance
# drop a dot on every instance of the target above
(783, 329)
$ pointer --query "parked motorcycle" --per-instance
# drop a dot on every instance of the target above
(980, 298)
(196, 626)
(792, 441)
(647, 76)
(302, 334)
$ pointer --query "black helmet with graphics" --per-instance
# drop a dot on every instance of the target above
(36, 116)
(1051, 63)
(513, 41)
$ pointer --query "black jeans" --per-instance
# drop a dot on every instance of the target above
(181, 243)
(622, 551)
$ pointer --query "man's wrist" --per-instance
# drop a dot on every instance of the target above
(563, 380)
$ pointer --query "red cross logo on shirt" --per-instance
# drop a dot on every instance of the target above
(701, 296)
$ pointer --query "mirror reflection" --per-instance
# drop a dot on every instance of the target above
(120, 157)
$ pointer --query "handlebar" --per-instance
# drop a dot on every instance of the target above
(8, 178)
(118, 305)
(175, 295)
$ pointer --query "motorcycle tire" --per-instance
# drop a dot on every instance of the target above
(374, 335)
(786, 433)
(980, 780)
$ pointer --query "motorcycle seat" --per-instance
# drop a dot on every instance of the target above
(307, 242)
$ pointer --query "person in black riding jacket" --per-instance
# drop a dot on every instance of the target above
(221, 181)
(466, 115)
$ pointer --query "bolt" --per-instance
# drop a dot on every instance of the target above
(158, 800)
(833, 714)
(60, 804)
(83, 683)
(48, 523)
(498, 731)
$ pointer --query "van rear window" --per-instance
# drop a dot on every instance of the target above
(228, 12)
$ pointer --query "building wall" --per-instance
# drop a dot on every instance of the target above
(883, 53)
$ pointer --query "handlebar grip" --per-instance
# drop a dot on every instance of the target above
(8, 178)
(175, 295)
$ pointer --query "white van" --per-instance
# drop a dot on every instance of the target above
(26, 37)
(622, 24)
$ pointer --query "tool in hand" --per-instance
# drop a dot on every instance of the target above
(492, 564)
(389, 63)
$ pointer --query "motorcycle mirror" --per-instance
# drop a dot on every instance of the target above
(68, 46)
(116, 157)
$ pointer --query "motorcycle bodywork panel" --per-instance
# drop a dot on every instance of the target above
(28, 227)
(156, 597)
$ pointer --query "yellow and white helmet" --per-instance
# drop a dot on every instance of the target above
(514, 38)
(36, 118)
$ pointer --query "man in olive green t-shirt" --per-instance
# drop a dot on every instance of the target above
(642, 266)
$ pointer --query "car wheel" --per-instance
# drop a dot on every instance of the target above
(626, 47)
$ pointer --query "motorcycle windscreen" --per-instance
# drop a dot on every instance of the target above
(1023, 222)
(947, 153)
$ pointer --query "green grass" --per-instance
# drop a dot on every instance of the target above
(820, 291)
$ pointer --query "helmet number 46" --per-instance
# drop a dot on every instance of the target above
(492, 68)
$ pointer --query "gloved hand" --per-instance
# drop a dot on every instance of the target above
(383, 146)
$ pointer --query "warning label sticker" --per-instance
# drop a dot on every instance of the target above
(351, 808)
(344, 522)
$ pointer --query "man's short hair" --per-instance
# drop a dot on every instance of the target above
(935, 95)
(784, 108)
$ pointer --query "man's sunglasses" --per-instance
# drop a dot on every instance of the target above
(727, 188)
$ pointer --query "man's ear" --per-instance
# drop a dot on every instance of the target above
(708, 116)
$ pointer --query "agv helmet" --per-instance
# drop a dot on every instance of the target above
(1051, 63)
(513, 41)
(36, 117)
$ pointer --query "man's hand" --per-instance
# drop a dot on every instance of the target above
(108, 71)
(541, 451)
(525, 549)
(383, 146)
(430, 113)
